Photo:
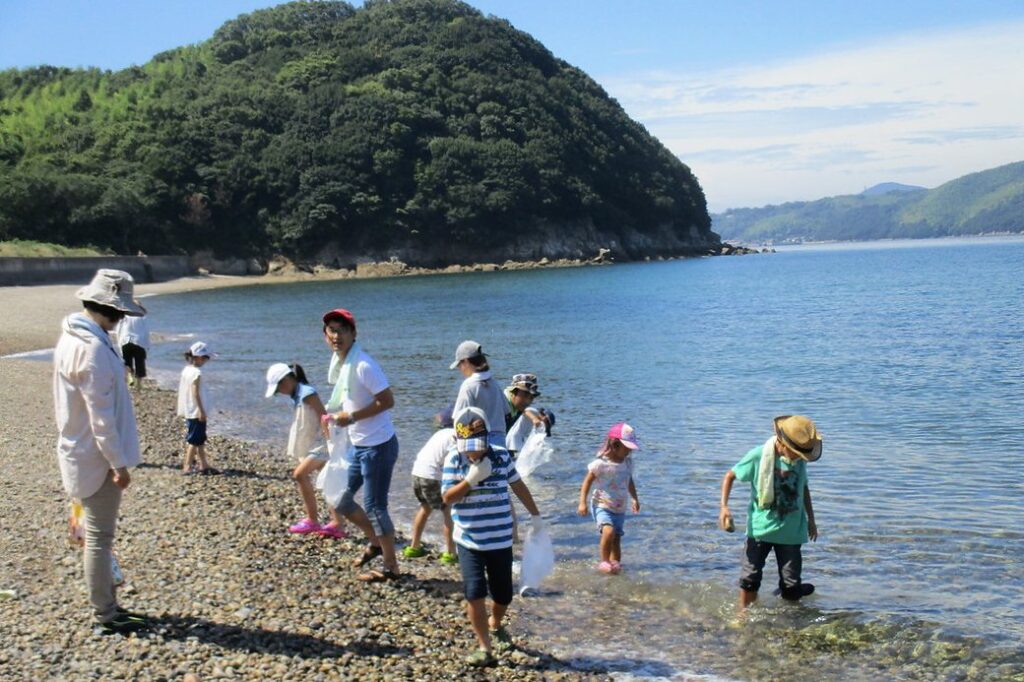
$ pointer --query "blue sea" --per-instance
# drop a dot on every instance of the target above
(908, 355)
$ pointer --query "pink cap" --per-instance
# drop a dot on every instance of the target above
(625, 433)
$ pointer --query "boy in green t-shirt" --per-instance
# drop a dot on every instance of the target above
(780, 516)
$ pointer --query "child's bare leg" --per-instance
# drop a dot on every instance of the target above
(477, 612)
(190, 457)
(449, 529)
(419, 522)
(747, 597)
(337, 519)
(497, 615)
(607, 538)
(201, 452)
(616, 550)
(301, 478)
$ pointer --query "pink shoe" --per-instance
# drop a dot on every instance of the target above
(606, 567)
(331, 530)
(305, 526)
(616, 567)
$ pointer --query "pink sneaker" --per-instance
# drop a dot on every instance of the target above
(331, 530)
(606, 567)
(305, 526)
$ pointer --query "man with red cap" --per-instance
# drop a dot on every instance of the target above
(361, 402)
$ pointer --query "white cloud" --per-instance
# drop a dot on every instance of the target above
(920, 109)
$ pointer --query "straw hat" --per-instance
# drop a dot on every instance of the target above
(800, 435)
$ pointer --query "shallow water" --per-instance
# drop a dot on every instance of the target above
(910, 357)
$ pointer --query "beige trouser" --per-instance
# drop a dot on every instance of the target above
(100, 522)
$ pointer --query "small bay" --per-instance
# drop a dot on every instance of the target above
(909, 356)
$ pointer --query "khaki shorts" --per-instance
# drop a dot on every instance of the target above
(428, 492)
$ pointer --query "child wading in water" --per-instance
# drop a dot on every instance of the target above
(611, 476)
(477, 478)
(193, 405)
(426, 485)
(780, 517)
(308, 428)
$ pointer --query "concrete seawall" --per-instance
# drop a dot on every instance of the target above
(27, 271)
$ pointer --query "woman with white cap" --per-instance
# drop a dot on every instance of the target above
(98, 439)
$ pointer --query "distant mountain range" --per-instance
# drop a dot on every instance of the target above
(984, 202)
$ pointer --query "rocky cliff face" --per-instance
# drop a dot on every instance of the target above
(575, 241)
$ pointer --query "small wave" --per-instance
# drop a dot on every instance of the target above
(41, 354)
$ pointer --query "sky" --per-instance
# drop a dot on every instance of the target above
(767, 102)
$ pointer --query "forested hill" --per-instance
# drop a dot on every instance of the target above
(416, 127)
(979, 203)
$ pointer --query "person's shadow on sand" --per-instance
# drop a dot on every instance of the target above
(259, 640)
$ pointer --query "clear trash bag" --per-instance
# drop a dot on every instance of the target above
(333, 477)
(536, 451)
(538, 559)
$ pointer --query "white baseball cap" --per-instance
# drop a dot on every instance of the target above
(275, 373)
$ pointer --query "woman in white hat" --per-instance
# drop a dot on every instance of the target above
(98, 439)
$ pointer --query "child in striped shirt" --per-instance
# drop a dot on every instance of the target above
(476, 480)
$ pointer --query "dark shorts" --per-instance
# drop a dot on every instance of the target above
(486, 572)
(428, 492)
(134, 359)
(788, 558)
(195, 432)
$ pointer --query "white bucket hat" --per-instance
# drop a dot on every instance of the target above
(113, 288)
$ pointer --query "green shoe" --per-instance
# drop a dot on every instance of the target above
(411, 552)
(500, 639)
(449, 558)
(480, 658)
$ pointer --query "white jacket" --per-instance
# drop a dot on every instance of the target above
(95, 417)
(133, 329)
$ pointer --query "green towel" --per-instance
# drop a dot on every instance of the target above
(342, 375)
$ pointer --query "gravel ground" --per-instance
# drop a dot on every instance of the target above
(233, 595)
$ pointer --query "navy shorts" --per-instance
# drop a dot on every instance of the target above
(195, 432)
(486, 572)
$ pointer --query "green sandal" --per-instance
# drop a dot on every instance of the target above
(411, 552)
(480, 658)
(500, 639)
(449, 558)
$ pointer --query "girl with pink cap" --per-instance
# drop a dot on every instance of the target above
(611, 477)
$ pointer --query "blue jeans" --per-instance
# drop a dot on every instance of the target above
(372, 464)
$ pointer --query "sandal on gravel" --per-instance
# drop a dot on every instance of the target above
(500, 639)
(369, 554)
(120, 625)
(480, 658)
(449, 558)
(332, 530)
(411, 552)
(378, 576)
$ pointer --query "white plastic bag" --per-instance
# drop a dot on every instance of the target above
(538, 559)
(333, 477)
(536, 451)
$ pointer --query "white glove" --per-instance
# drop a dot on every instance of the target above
(536, 523)
(478, 472)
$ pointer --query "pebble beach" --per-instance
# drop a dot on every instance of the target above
(232, 594)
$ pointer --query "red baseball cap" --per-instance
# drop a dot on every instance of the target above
(340, 314)
(625, 433)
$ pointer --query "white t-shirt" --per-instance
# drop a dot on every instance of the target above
(133, 329)
(187, 405)
(430, 459)
(370, 380)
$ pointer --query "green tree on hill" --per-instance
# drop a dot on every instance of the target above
(410, 122)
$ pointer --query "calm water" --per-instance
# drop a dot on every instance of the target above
(910, 357)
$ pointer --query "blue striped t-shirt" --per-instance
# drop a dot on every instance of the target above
(483, 518)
